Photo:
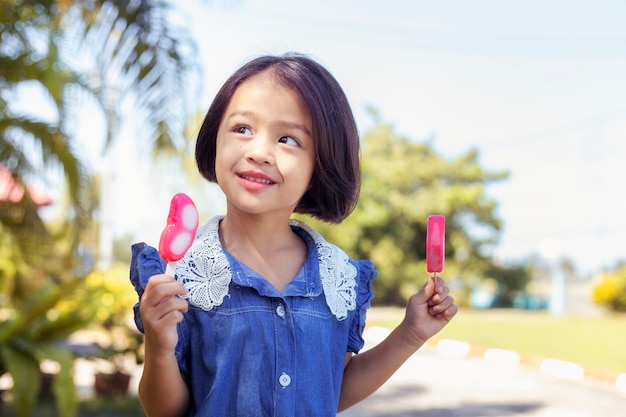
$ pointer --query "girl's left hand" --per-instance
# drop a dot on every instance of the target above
(428, 311)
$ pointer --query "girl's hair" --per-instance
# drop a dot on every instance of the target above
(336, 178)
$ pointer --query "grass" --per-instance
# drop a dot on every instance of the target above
(593, 342)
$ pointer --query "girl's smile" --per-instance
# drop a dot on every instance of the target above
(254, 181)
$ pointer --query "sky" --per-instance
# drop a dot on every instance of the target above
(537, 86)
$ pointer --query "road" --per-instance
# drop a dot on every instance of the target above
(431, 384)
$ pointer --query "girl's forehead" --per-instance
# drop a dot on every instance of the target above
(264, 81)
(264, 93)
(266, 76)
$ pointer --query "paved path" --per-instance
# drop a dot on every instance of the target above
(433, 385)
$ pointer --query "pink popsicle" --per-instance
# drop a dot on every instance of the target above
(178, 235)
(435, 243)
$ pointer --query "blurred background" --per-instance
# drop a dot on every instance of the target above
(509, 118)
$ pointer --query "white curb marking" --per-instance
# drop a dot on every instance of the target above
(453, 348)
(562, 369)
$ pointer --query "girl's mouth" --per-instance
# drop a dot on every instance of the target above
(256, 179)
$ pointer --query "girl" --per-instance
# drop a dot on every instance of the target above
(264, 317)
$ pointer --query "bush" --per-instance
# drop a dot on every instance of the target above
(114, 317)
(31, 331)
(610, 291)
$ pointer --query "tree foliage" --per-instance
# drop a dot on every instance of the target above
(512, 281)
(139, 64)
(126, 56)
(42, 301)
(131, 60)
(403, 182)
(30, 332)
(29, 143)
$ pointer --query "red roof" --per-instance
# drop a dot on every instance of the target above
(14, 192)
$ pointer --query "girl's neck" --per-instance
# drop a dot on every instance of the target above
(255, 232)
(266, 244)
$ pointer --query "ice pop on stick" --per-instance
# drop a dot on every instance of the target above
(435, 241)
(178, 235)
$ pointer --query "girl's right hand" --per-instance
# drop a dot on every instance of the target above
(161, 310)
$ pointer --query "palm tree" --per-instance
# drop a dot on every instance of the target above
(124, 54)
(133, 57)
(30, 145)
(119, 54)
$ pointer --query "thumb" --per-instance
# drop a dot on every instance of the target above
(427, 291)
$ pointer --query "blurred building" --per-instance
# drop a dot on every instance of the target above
(13, 192)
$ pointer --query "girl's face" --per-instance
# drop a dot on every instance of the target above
(265, 152)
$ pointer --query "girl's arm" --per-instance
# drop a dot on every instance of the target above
(162, 390)
(427, 313)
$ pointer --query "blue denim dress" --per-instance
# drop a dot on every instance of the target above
(248, 350)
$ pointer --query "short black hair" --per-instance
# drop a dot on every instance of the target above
(336, 178)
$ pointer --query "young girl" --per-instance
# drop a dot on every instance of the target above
(264, 317)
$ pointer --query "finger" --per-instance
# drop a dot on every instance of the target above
(441, 307)
(164, 307)
(440, 283)
(448, 313)
(439, 297)
(172, 318)
(427, 291)
(163, 286)
(166, 304)
(174, 303)
(442, 304)
(158, 279)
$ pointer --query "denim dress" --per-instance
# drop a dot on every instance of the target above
(249, 350)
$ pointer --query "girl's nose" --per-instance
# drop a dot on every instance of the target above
(260, 150)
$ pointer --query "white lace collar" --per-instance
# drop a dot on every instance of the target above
(205, 271)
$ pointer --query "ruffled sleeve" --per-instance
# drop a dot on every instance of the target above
(145, 263)
(365, 293)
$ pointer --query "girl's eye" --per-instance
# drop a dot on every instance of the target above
(288, 140)
(243, 130)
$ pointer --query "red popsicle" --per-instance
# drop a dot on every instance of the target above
(435, 243)
(177, 237)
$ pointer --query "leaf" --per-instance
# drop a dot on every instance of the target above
(26, 377)
(63, 385)
(32, 309)
(52, 330)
